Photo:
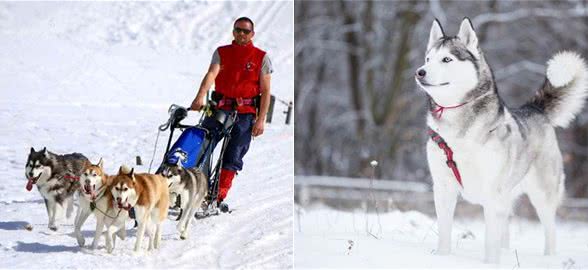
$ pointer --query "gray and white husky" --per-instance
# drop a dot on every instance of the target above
(56, 177)
(191, 185)
(499, 152)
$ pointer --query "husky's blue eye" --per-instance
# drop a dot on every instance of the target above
(446, 60)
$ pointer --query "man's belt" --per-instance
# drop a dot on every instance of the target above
(237, 102)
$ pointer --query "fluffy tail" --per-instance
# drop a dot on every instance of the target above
(564, 93)
(124, 169)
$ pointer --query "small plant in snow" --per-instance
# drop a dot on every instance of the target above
(350, 242)
(568, 264)
(467, 235)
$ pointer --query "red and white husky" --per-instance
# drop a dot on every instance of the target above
(148, 194)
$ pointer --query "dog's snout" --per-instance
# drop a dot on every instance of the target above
(30, 174)
(118, 200)
(421, 73)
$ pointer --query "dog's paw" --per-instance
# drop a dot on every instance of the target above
(122, 234)
(109, 248)
(184, 235)
(81, 241)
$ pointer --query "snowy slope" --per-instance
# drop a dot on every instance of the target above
(409, 239)
(97, 78)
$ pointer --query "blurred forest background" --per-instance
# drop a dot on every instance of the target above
(355, 93)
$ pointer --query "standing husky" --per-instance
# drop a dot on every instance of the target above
(191, 185)
(489, 153)
(94, 199)
(148, 194)
(56, 179)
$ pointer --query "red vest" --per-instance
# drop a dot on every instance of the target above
(240, 66)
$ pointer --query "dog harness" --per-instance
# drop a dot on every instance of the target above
(448, 152)
(71, 178)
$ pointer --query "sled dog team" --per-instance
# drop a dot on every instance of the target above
(110, 197)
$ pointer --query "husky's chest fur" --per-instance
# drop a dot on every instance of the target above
(493, 152)
(56, 187)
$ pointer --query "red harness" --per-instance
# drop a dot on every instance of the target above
(448, 152)
(71, 178)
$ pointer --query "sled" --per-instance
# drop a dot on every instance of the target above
(195, 148)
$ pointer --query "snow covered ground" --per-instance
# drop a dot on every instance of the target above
(97, 78)
(409, 239)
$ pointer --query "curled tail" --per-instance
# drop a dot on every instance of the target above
(565, 89)
(124, 169)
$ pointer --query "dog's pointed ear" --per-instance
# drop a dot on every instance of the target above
(101, 163)
(121, 170)
(468, 36)
(436, 34)
(132, 173)
(45, 153)
(32, 150)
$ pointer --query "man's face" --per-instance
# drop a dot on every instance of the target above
(243, 32)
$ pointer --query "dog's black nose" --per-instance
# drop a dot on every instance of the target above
(31, 174)
(421, 73)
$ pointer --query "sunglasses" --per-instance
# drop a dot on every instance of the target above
(244, 31)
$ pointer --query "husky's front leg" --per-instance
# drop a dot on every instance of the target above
(142, 218)
(81, 217)
(495, 214)
(151, 232)
(445, 199)
(187, 214)
(505, 241)
(158, 235)
(70, 206)
(122, 233)
(51, 211)
(109, 242)
(99, 227)
(186, 223)
(111, 232)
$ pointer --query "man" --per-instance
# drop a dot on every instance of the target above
(241, 73)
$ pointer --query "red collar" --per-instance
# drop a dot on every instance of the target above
(437, 111)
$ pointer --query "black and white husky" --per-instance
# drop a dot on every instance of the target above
(191, 185)
(488, 153)
(56, 177)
